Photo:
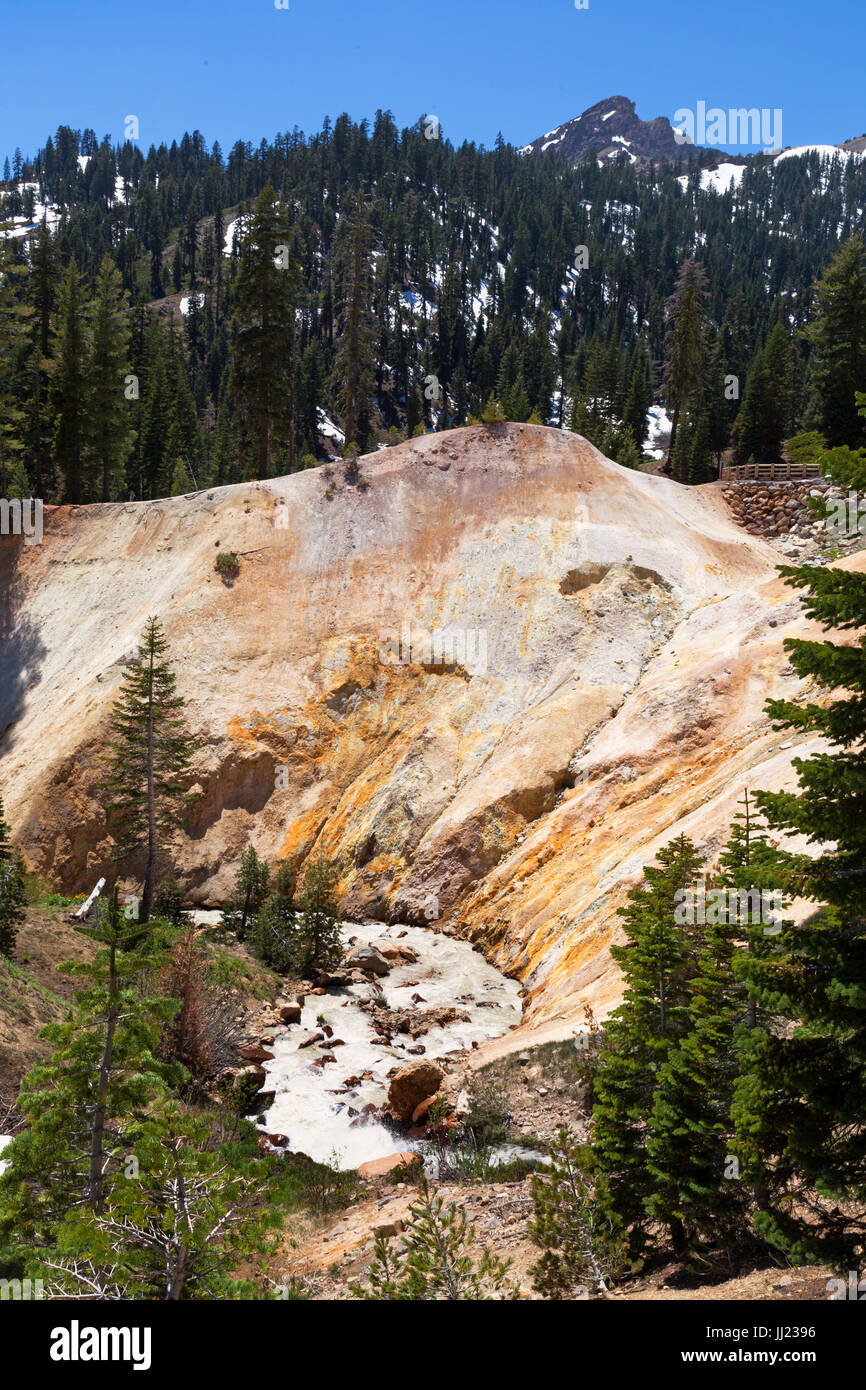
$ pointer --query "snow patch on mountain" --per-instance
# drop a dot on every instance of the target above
(185, 302)
(825, 152)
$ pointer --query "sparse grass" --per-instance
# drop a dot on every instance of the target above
(16, 983)
(557, 1060)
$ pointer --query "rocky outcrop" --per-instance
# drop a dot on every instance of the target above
(632, 632)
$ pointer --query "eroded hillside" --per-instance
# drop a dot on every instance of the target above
(621, 634)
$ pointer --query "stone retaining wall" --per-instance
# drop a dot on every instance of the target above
(766, 508)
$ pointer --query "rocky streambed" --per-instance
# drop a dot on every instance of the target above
(331, 1070)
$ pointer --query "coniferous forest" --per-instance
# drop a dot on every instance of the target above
(407, 281)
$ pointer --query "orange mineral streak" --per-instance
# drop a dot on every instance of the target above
(626, 633)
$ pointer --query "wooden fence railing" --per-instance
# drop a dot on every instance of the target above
(741, 472)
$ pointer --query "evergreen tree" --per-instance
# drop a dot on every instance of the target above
(110, 431)
(176, 1230)
(12, 894)
(276, 923)
(656, 964)
(433, 1262)
(149, 753)
(85, 1104)
(638, 401)
(838, 337)
(493, 413)
(69, 382)
(800, 1103)
(764, 419)
(684, 344)
(318, 945)
(353, 363)
(15, 324)
(43, 296)
(689, 1126)
(251, 887)
(573, 1225)
(263, 332)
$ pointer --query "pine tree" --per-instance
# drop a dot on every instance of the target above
(493, 413)
(689, 1126)
(69, 382)
(684, 343)
(318, 945)
(800, 1102)
(12, 892)
(656, 965)
(838, 336)
(251, 888)
(573, 1225)
(765, 415)
(638, 401)
(149, 753)
(276, 923)
(110, 430)
(85, 1104)
(715, 402)
(433, 1262)
(154, 411)
(353, 363)
(43, 296)
(15, 326)
(263, 332)
(177, 1229)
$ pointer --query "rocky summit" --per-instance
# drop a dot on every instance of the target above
(612, 130)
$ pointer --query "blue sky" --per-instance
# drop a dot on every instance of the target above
(242, 69)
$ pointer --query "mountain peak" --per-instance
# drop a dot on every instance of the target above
(611, 129)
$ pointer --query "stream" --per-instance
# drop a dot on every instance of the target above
(312, 1106)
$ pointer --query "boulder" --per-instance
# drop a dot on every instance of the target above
(379, 1167)
(254, 1052)
(368, 959)
(290, 1013)
(388, 1229)
(332, 979)
(412, 1085)
(395, 953)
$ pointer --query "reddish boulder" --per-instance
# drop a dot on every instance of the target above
(412, 1085)
(380, 1167)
